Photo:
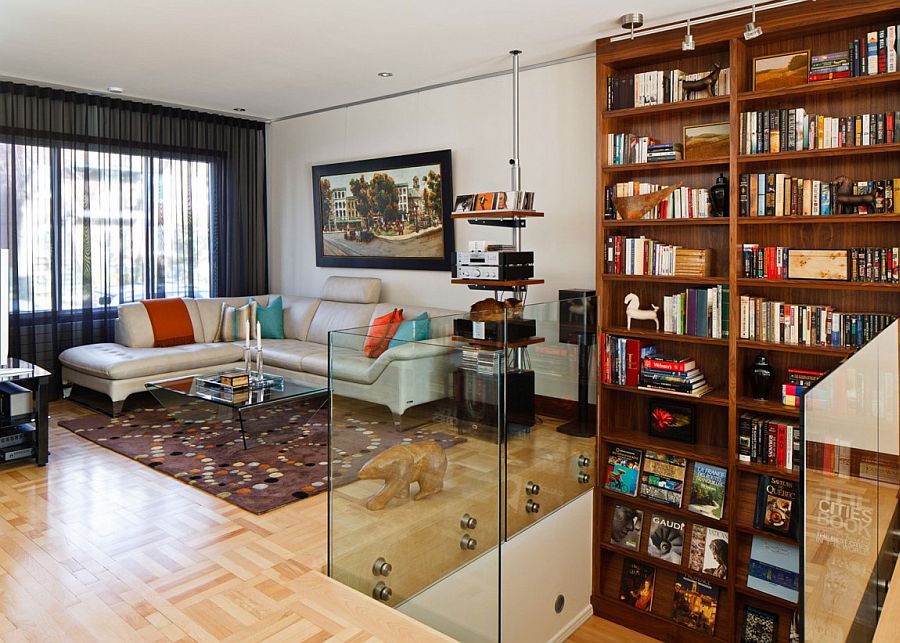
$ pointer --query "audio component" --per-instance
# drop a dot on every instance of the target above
(502, 265)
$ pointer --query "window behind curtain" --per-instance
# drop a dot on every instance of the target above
(96, 228)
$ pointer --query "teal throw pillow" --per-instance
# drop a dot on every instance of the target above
(411, 330)
(271, 318)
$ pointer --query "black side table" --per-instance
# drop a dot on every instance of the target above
(37, 380)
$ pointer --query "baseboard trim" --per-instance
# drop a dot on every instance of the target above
(577, 621)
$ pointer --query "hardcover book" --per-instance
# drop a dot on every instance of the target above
(709, 551)
(662, 480)
(694, 604)
(760, 626)
(774, 568)
(666, 539)
(626, 527)
(636, 585)
(622, 469)
(776, 506)
(708, 490)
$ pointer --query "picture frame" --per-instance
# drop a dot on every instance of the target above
(390, 213)
(671, 420)
(706, 140)
(778, 71)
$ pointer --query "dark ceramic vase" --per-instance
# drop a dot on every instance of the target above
(718, 194)
(761, 376)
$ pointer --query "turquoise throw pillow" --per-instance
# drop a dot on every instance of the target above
(271, 318)
(411, 330)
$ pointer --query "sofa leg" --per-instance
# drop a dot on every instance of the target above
(117, 408)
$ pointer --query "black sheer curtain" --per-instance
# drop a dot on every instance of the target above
(105, 201)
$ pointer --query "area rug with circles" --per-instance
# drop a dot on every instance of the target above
(286, 456)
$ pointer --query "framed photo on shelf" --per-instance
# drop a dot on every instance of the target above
(391, 212)
(671, 421)
(707, 140)
(781, 70)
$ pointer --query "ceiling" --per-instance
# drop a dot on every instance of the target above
(281, 57)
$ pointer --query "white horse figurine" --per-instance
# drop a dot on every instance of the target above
(633, 310)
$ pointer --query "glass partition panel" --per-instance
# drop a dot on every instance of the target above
(550, 423)
(850, 421)
(415, 474)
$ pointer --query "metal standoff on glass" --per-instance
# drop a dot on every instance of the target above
(468, 543)
(532, 488)
(381, 567)
(584, 461)
(531, 507)
(468, 522)
(382, 592)
(584, 478)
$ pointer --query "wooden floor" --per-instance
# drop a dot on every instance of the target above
(96, 547)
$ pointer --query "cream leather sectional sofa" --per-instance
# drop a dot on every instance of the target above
(403, 376)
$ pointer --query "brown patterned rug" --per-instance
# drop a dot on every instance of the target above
(286, 456)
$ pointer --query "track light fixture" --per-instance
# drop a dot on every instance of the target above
(688, 43)
(751, 30)
(632, 21)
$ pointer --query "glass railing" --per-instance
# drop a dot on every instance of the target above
(451, 443)
(850, 421)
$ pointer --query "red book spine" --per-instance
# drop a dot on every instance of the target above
(604, 360)
(662, 365)
(830, 75)
(782, 445)
(633, 360)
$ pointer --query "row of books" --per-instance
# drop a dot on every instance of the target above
(683, 203)
(789, 130)
(659, 86)
(877, 54)
(775, 194)
(769, 440)
(661, 480)
(865, 265)
(625, 148)
(672, 375)
(798, 382)
(694, 601)
(763, 320)
(707, 548)
(701, 312)
(830, 66)
(642, 256)
(660, 152)
(621, 359)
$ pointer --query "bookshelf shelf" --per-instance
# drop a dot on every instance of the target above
(650, 560)
(668, 108)
(492, 345)
(645, 168)
(668, 337)
(847, 85)
(496, 214)
(819, 284)
(830, 219)
(818, 155)
(622, 410)
(518, 283)
(753, 531)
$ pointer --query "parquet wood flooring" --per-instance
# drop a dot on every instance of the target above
(96, 547)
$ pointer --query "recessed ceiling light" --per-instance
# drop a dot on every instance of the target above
(115, 90)
(385, 74)
(239, 109)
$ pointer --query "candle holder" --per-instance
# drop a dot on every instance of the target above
(259, 363)
(247, 360)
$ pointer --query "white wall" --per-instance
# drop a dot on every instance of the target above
(474, 120)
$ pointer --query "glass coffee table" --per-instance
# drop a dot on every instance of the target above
(191, 398)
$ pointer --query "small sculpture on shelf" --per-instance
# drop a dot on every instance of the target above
(707, 82)
(846, 201)
(401, 465)
(491, 309)
(633, 310)
(718, 196)
(761, 377)
(634, 207)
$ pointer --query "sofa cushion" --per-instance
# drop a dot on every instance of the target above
(335, 315)
(237, 323)
(298, 315)
(117, 362)
(287, 353)
(133, 326)
(352, 290)
(271, 318)
(415, 329)
(210, 313)
(353, 366)
(380, 333)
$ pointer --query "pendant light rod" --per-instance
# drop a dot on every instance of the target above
(514, 161)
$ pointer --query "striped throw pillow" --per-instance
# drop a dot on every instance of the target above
(233, 322)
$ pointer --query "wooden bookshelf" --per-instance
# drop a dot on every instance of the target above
(823, 27)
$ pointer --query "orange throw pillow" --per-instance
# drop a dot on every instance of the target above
(381, 331)
(171, 322)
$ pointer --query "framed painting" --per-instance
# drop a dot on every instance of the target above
(391, 212)
(709, 140)
(781, 70)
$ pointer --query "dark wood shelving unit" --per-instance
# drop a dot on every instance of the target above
(498, 345)
(622, 411)
(518, 283)
(496, 214)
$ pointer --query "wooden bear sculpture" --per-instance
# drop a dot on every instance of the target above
(401, 465)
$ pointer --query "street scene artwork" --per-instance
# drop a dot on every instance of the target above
(385, 213)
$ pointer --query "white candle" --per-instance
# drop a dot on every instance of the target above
(258, 336)
(247, 334)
